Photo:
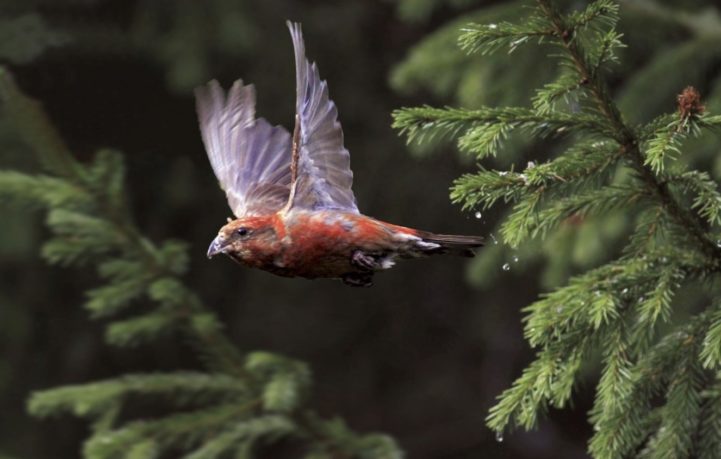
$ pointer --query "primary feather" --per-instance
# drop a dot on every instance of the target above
(323, 164)
(250, 158)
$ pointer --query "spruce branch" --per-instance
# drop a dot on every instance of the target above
(529, 220)
(626, 135)
(564, 87)
(113, 219)
(711, 347)
(489, 38)
(667, 140)
(588, 162)
(616, 383)
(184, 388)
(650, 397)
(679, 417)
(707, 201)
(709, 441)
(622, 430)
(482, 129)
(549, 378)
(601, 13)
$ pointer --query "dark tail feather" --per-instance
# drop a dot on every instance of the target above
(453, 244)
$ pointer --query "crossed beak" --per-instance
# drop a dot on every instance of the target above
(216, 246)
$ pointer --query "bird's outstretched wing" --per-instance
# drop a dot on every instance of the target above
(250, 158)
(321, 174)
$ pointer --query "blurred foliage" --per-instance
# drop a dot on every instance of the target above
(185, 37)
(239, 402)
(26, 37)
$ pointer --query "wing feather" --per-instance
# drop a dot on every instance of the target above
(250, 158)
(324, 178)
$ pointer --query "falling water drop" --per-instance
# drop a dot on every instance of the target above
(506, 267)
(499, 436)
(495, 241)
(515, 258)
(478, 215)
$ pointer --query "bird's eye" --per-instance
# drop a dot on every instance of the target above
(242, 232)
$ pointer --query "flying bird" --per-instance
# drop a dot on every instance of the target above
(296, 215)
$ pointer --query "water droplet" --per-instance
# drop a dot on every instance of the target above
(499, 436)
(492, 26)
(478, 215)
(718, 243)
(515, 259)
(495, 241)
(503, 173)
(641, 300)
(624, 291)
(506, 267)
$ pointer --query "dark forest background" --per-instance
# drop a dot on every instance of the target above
(423, 353)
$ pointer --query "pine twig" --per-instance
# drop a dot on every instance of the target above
(627, 138)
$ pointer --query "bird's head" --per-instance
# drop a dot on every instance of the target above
(239, 237)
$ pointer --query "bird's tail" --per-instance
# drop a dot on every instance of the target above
(451, 243)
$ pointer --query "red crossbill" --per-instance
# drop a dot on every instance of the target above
(296, 214)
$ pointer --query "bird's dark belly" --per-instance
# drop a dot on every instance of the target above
(332, 265)
(310, 266)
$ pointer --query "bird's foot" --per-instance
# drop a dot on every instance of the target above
(358, 279)
(363, 261)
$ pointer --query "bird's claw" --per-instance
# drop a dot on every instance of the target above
(363, 261)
